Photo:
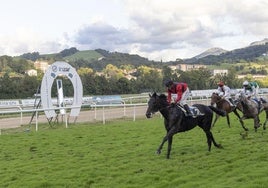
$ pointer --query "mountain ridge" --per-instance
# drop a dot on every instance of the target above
(249, 53)
(211, 51)
(261, 42)
(102, 57)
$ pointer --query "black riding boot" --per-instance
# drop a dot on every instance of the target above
(232, 102)
(259, 105)
(188, 111)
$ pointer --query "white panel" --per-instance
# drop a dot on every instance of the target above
(56, 69)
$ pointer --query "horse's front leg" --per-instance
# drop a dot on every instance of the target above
(168, 138)
(228, 120)
(264, 124)
(215, 120)
(240, 119)
(158, 151)
(256, 123)
(169, 146)
(242, 123)
(266, 119)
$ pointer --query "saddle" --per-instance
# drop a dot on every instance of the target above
(194, 110)
(258, 102)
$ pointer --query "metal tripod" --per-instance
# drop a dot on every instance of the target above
(37, 103)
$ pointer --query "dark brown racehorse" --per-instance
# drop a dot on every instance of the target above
(223, 104)
(175, 120)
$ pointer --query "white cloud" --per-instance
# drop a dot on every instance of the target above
(155, 29)
(25, 40)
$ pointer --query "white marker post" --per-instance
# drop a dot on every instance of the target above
(60, 96)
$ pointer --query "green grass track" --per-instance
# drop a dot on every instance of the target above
(121, 154)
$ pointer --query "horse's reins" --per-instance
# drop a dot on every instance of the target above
(219, 100)
(162, 108)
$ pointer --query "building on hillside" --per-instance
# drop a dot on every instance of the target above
(187, 67)
(31, 72)
(128, 74)
(255, 76)
(41, 65)
(130, 77)
(100, 58)
(219, 71)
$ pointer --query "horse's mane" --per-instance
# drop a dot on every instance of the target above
(263, 100)
(162, 96)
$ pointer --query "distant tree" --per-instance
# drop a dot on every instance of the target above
(105, 53)
(264, 82)
(68, 52)
(79, 63)
(253, 71)
(85, 71)
(88, 84)
(124, 86)
(95, 85)
(127, 67)
(167, 73)
(7, 88)
(4, 61)
(20, 65)
(263, 71)
(102, 86)
(196, 79)
(142, 70)
(149, 80)
(31, 56)
(27, 86)
(113, 72)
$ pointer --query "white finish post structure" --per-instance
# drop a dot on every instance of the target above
(60, 68)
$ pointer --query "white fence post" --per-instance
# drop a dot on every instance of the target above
(103, 115)
(134, 114)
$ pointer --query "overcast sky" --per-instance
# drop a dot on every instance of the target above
(155, 29)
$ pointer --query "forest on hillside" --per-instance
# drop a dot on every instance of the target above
(108, 75)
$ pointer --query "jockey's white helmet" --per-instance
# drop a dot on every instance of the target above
(245, 83)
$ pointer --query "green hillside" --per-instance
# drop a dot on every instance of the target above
(87, 55)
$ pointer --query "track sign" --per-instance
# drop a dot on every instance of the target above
(56, 69)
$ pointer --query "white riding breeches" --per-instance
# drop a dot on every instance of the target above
(185, 96)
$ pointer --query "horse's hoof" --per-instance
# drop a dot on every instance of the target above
(244, 134)
(158, 152)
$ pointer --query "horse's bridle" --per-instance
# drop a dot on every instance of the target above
(218, 100)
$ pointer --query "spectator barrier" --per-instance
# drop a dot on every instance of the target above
(122, 108)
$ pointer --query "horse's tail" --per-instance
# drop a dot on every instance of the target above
(218, 111)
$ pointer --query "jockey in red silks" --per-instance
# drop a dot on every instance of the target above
(182, 91)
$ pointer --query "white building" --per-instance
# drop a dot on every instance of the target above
(220, 71)
(187, 67)
(41, 65)
(32, 72)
